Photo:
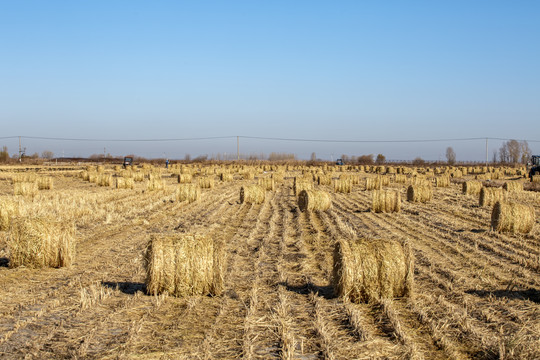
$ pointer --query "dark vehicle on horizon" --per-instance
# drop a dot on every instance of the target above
(339, 162)
(128, 161)
(534, 166)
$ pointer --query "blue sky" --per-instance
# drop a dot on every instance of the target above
(347, 70)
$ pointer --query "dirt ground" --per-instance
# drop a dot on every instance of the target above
(477, 292)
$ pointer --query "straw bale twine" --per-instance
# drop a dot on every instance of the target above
(185, 178)
(387, 201)
(490, 195)
(41, 242)
(512, 217)
(184, 265)
(252, 194)
(312, 200)
(25, 188)
(366, 270)
(124, 183)
(419, 193)
(513, 186)
(188, 192)
(343, 185)
(206, 182)
(471, 187)
(267, 183)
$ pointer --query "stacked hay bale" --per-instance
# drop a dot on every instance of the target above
(125, 183)
(512, 217)
(184, 265)
(41, 242)
(471, 187)
(314, 200)
(387, 201)
(301, 184)
(252, 194)
(490, 195)
(185, 178)
(366, 270)
(206, 182)
(188, 192)
(343, 185)
(513, 186)
(442, 181)
(267, 183)
(419, 193)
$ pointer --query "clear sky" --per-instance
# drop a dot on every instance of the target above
(345, 70)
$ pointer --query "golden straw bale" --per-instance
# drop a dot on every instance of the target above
(104, 180)
(400, 178)
(154, 184)
(93, 177)
(324, 179)
(124, 183)
(226, 177)
(100, 168)
(248, 175)
(252, 194)
(45, 183)
(23, 177)
(267, 183)
(138, 176)
(41, 242)
(189, 192)
(387, 201)
(512, 217)
(419, 193)
(301, 184)
(278, 177)
(366, 270)
(442, 181)
(8, 210)
(342, 185)
(184, 265)
(25, 188)
(513, 186)
(373, 184)
(185, 178)
(206, 182)
(535, 179)
(490, 195)
(311, 200)
(471, 187)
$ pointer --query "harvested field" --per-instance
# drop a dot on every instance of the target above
(476, 292)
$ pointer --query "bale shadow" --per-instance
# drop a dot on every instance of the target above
(529, 294)
(4, 262)
(326, 292)
(126, 287)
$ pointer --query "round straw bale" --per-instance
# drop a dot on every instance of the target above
(373, 184)
(138, 176)
(252, 194)
(366, 270)
(471, 187)
(154, 184)
(442, 181)
(8, 210)
(400, 178)
(419, 193)
(301, 184)
(278, 176)
(512, 217)
(206, 182)
(386, 201)
(185, 178)
(183, 265)
(343, 185)
(267, 183)
(124, 183)
(189, 192)
(490, 195)
(513, 186)
(226, 177)
(311, 200)
(45, 183)
(104, 179)
(323, 179)
(25, 188)
(249, 175)
(41, 242)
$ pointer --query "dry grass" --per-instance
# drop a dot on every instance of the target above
(314, 200)
(490, 195)
(252, 194)
(512, 217)
(366, 270)
(419, 193)
(387, 201)
(41, 242)
(183, 265)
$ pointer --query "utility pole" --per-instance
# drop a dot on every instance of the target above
(20, 149)
(238, 148)
(486, 152)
